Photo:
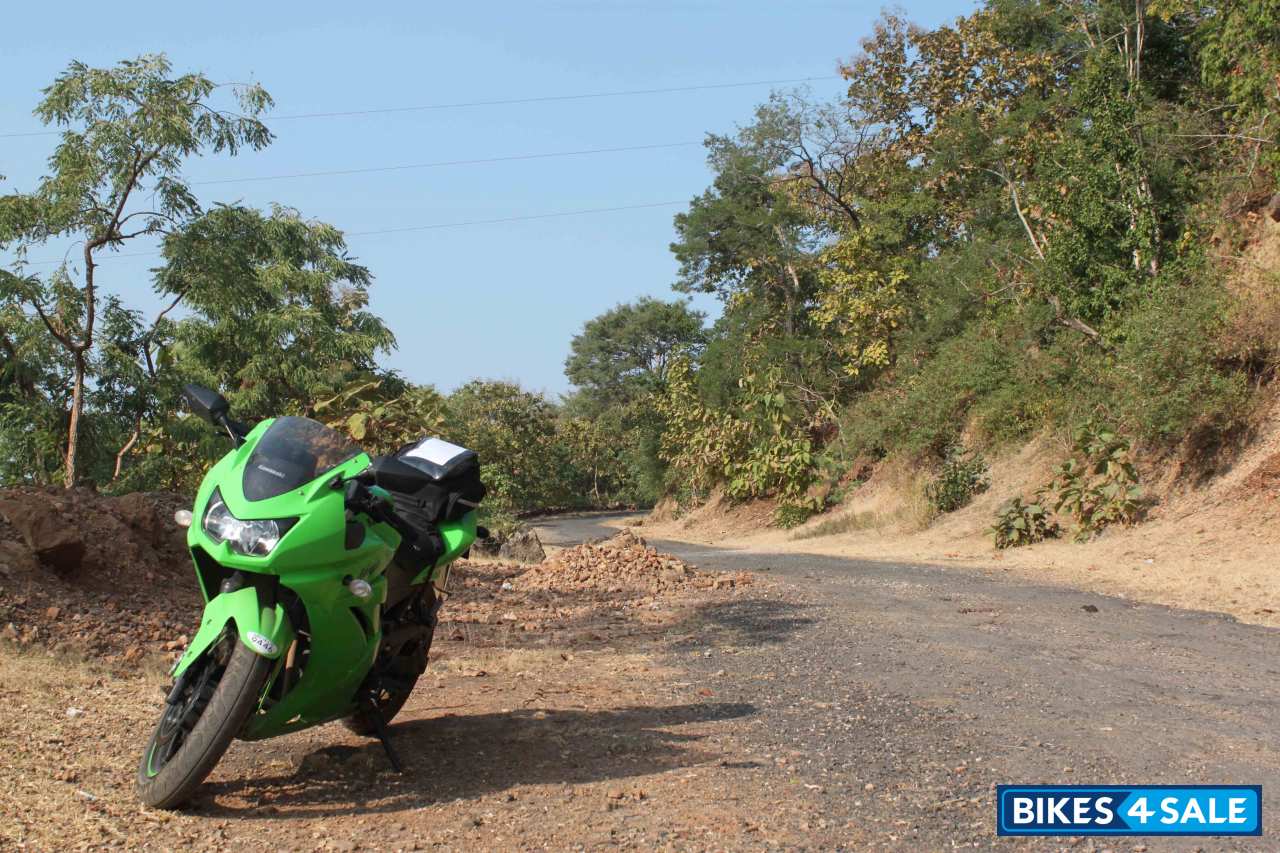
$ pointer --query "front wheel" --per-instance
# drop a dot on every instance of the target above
(198, 725)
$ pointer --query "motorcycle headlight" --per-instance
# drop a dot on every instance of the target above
(253, 537)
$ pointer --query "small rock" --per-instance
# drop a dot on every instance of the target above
(75, 712)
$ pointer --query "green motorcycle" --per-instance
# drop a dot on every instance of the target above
(323, 571)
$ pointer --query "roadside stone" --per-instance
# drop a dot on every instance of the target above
(54, 543)
(523, 546)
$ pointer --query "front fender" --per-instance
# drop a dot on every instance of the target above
(264, 629)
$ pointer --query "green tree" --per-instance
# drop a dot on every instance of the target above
(746, 238)
(1239, 53)
(277, 320)
(115, 176)
(34, 376)
(513, 431)
(624, 353)
(278, 311)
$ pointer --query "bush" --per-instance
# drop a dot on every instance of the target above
(1168, 377)
(1019, 523)
(1098, 486)
(992, 371)
(963, 475)
(762, 447)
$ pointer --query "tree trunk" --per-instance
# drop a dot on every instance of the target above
(73, 427)
(133, 439)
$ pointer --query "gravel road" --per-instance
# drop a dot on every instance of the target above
(906, 693)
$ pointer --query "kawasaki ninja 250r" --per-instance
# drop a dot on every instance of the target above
(323, 572)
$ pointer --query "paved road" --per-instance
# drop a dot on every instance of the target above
(933, 684)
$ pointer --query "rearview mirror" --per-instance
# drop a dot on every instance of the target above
(210, 405)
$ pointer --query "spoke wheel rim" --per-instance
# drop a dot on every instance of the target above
(180, 718)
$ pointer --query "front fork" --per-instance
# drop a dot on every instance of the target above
(260, 623)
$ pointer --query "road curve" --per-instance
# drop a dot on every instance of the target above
(936, 683)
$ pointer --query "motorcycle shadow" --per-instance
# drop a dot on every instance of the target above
(467, 756)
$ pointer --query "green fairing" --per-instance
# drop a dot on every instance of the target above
(312, 560)
(241, 608)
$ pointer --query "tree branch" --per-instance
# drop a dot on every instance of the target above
(133, 439)
(61, 338)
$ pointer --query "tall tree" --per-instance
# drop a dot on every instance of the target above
(115, 176)
(277, 318)
(746, 237)
(624, 353)
(278, 310)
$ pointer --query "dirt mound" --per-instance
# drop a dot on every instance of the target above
(109, 575)
(623, 565)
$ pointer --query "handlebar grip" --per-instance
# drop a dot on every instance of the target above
(360, 498)
(386, 514)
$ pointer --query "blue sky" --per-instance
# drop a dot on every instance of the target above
(492, 301)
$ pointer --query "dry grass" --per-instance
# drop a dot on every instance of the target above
(848, 523)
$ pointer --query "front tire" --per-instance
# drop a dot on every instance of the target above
(197, 728)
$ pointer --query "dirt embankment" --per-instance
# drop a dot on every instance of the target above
(1212, 545)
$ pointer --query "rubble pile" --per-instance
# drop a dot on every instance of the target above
(622, 566)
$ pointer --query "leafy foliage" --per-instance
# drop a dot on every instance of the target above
(1018, 523)
(382, 423)
(858, 303)
(757, 450)
(624, 354)
(1098, 486)
(963, 475)
(127, 131)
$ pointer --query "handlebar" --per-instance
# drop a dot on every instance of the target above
(359, 498)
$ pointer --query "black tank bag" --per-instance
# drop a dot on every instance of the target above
(449, 490)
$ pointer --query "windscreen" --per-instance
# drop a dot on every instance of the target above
(293, 452)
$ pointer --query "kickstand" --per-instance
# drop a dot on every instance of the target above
(380, 729)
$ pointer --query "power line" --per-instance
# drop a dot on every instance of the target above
(527, 218)
(442, 163)
(500, 102)
(548, 98)
(438, 225)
